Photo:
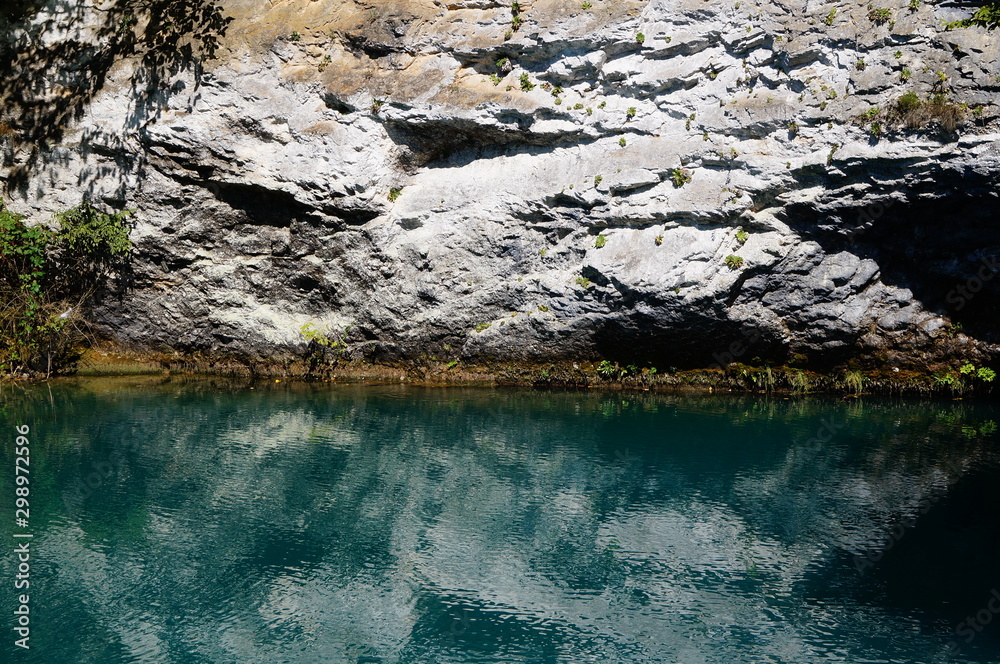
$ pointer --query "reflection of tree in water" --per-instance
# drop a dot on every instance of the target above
(46, 82)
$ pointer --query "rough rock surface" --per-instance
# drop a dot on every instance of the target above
(354, 166)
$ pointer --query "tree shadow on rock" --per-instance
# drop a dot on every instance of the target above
(48, 77)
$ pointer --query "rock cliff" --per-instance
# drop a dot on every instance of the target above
(681, 183)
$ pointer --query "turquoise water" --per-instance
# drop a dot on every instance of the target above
(296, 523)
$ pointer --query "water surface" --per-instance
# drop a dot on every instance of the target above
(199, 522)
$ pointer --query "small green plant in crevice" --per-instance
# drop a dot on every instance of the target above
(516, 20)
(734, 262)
(875, 129)
(658, 239)
(799, 382)
(854, 381)
(327, 59)
(495, 79)
(897, 54)
(680, 177)
(879, 16)
(482, 326)
(600, 241)
(602, 104)
(741, 237)
(295, 36)
(833, 151)
(607, 370)
(394, 193)
(860, 64)
(640, 38)
(325, 337)
(583, 282)
(526, 83)
(622, 142)
(598, 179)
(905, 75)
(793, 128)
(587, 5)
(630, 113)
(830, 17)
(914, 5)
(377, 105)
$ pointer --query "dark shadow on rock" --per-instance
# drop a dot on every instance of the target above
(941, 241)
(45, 85)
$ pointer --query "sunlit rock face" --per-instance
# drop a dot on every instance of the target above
(417, 173)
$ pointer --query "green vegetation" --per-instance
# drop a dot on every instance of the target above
(987, 16)
(914, 5)
(526, 83)
(325, 337)
(833, 151)
(294, 37)
(583, 282)
(734, 262)
(395, 193)
(915, 113)
(880, 16)
(600, 241)
(516, 20)
(607, 369)
(47, 277)
(587, 5)
(630, 113)
(680, 177)
(742, 236)
(965, 377)
(598, 179)
(377, 104)
(659, 239)
(829, 17)
(482, 326)
(799, 382)
(622, 142)
(640, 38)
(854, 381)
(495, 79)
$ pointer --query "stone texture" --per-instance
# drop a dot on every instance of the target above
(261, 182)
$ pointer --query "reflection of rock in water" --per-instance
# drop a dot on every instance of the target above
(501, 524)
